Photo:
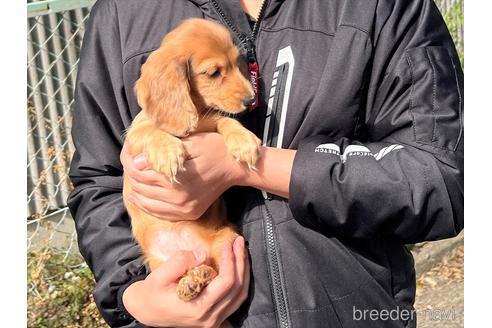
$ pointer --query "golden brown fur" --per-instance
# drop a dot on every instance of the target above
(196, 69)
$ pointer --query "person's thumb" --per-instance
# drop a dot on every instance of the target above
(177, 265)
(140, 162)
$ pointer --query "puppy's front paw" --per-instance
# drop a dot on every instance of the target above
(166, 156)
(244, 146)
(193, 282)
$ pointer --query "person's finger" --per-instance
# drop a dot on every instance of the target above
(140, 162)
(220, 286)
(237, 295)
(125, 155)
(148, 177)
(177, 265)
(242, 294)
(128, 163)
(241, 258)
(230, 306)
(151, 191)
(137, 169)
(157, 208)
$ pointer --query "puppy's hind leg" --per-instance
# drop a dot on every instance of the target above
(193, 282)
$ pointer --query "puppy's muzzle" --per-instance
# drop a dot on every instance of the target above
(248, 101)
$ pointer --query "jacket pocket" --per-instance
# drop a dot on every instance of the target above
(370, 307)
(436, 100)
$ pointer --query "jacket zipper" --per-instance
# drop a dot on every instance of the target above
(279, 297)
(249, 41)
(232, 27)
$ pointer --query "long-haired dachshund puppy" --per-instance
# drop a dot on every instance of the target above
(185, 85)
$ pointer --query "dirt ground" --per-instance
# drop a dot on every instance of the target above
(439, 302)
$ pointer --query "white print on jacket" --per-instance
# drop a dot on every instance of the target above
(278, 101)
(355, 150)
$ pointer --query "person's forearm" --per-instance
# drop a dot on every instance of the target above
(272, 172)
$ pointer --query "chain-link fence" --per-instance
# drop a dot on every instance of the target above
(59, 282)
(54, 37)
(55, 32)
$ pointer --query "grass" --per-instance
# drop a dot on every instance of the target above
(454, 18)
(59, 292)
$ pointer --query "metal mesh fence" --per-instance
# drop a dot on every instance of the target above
(53, 46)
(54, 37)
(55, 30)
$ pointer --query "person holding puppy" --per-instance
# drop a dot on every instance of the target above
(361, 117)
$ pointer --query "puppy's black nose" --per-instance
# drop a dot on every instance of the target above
(248, 101)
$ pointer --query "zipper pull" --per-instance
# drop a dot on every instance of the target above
(254, 73)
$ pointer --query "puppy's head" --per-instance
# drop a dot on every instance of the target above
(196, 68)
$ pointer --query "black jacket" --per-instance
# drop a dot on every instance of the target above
(369, 92)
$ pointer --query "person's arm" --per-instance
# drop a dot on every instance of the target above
(273, 171)
(411, 188)
(102, 224)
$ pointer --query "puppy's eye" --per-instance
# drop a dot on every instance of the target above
(214, 74)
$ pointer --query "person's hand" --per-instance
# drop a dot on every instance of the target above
(210, 170)
(154, 301)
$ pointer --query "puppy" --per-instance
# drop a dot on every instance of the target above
(186, 86)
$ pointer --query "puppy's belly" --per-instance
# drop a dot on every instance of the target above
(166, 242)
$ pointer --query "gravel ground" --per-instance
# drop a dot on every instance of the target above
(439, 302)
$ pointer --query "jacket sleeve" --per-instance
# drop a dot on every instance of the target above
(102, 224)
(402, 176)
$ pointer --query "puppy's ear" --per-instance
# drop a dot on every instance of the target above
(163, 93)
